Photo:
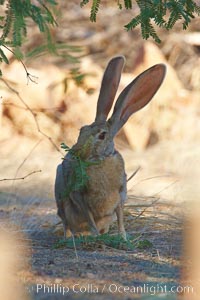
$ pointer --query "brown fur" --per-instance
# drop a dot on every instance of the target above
(105, 183)
(93, 208)
(102, 196)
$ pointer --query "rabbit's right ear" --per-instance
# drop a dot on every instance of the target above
(136, 95)
(109, 86)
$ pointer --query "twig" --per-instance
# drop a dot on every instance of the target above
(134, 173)
(25, 159)
(74, 244)
(32, 113)
(22, 163)
(143, 211)
(20, 178)
(156, 200)
(165, 188)
(149, 178)
(30, 77)
(42, 109)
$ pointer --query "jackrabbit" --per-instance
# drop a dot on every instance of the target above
(93, 208)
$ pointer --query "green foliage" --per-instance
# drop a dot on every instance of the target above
(3, 57)
(79, 178)
(14, 26)
(15, 20)
(144, 244)
(84, 2)
(15, 15)
(100, 241)
(181, 10)
(14, 23)
(105, 240)
(94, 10)
(163, 13)
(56, 49)
(77, 76)
(128, 4)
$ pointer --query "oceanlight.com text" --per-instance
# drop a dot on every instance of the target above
(113, 288)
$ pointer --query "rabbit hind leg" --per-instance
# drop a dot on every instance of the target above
(66, 231)
(120, 220)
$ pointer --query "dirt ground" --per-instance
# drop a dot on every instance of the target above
(154, 211)
(159, 195)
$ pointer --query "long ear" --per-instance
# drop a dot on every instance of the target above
(109, 87)
(136, 95)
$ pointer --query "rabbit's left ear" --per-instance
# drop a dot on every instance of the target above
(136, 95)
(109, 87)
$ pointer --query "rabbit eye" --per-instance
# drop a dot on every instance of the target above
(102, 135)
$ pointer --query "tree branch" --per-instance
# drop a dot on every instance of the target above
(30, 77)
(34, 114)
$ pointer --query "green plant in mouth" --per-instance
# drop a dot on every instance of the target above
(78, 179)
